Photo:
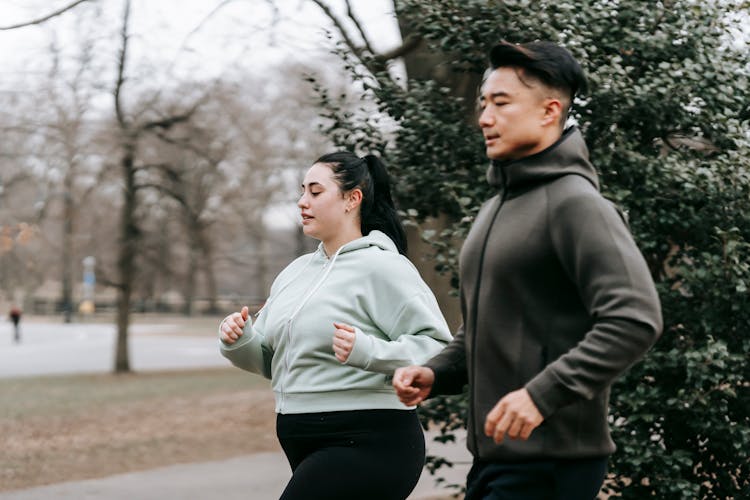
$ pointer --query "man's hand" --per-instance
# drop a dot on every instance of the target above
(413, 384)
(515, 415)
(343, 341)
(231, 327)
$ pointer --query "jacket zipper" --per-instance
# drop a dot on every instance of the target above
(473, 385)
(313, 288)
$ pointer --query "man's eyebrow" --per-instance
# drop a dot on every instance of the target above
(493, 95)
(499, 94)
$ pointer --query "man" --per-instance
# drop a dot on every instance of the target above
(557, 300)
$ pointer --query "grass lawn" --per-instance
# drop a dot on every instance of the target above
(63, 428)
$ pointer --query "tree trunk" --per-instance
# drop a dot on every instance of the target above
(67, 250)
(425, 64)
(208, 272)
(261, 264)
(188, 292)
(422, 63)
(126, 261)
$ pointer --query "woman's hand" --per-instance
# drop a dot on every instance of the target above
(343, 341)
(231, 328)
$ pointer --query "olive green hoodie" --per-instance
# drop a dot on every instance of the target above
(556, 298)
(366, 284)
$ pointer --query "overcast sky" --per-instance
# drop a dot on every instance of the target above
(187, 37)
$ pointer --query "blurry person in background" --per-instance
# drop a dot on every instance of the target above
(15, 317)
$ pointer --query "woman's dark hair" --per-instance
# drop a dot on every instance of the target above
(369, 175)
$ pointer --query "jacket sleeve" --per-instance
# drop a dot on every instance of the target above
(449, 366)
(417, 333)
(251, 351)
(598, 253)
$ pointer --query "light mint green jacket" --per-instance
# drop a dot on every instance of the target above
(367, 284)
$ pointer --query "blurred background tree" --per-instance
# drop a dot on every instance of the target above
(177, 182)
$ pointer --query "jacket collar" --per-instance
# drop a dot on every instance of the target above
(567, 156)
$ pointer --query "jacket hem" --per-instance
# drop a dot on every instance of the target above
(357, 399)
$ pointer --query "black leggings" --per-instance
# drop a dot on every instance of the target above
(362, 454)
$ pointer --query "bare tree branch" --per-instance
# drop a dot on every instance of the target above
(183, 45)
(208, 16)
(170, 121)
(677, 141)
(356, 22)
(340, 26)
(43, 18)
(178, 197)
(376, 62)
(166, 168)
(186, 143)
(103, 279)
(121, 67)
(411, 43)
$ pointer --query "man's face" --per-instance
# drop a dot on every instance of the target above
(513, 115)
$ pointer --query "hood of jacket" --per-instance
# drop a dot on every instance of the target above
(567, 156)
(374, 239)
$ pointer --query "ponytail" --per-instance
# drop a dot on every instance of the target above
(377, 211)
(381, 213)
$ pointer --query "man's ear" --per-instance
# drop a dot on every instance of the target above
(553, 109)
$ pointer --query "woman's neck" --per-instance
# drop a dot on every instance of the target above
(332, 245)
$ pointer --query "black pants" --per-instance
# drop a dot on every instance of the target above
(362, 454)
(538, 480)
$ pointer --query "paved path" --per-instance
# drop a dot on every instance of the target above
(55, 348)
(50, 348)
(260, 476)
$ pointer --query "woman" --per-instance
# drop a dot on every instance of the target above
(337, 324)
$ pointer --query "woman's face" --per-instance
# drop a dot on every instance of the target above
(323, 206)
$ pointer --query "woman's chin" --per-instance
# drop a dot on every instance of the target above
(309, 231)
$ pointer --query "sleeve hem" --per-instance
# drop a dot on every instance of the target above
(359, 356)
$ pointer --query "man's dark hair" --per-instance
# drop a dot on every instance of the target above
(547, 62)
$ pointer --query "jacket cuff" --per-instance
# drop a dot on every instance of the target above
(549, 394)
(447, 379)
(360, 355)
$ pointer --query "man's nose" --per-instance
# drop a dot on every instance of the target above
(485, 118)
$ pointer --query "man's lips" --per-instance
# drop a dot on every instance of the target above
(489, 139)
